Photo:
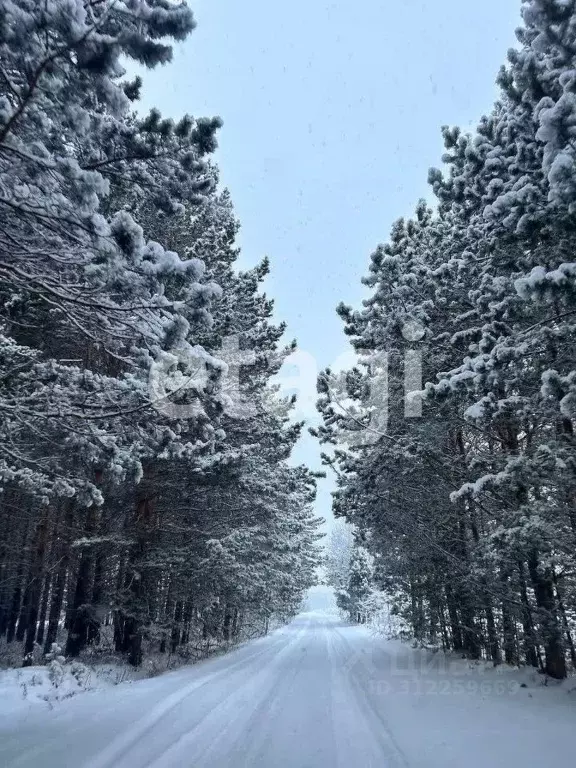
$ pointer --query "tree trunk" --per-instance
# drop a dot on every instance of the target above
(555, 657)
(562, 609)
(470, 635)
(493, 642)
(56, 602)
(81, 615)
(176, 625)
(510, 645)
(97, 601)
(14, 609)
(186, 621)
(455, 629)
(34, 588)
(509, 633)
(227, 623)
(529, 639)
(236, 623)
(43, 610)
(133, 640)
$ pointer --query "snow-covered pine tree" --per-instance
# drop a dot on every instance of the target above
(117, 509)
(339, 551)
(470, 507)
(251, 550)
(90, 281)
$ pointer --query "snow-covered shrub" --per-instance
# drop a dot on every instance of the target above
(382, 615)
(81, 673)
(56, 661)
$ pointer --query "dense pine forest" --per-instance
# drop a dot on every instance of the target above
(462, 486)
(216, 549)
(147, 504)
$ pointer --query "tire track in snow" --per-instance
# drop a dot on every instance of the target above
(265, 680)
(344, 680)
(112, 754)
(258, 729)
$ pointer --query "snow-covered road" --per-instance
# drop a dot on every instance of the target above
(316, 694)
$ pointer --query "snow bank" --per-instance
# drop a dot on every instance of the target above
(23, 688)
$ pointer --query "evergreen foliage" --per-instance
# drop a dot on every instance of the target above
(147, 502)
(470, 510)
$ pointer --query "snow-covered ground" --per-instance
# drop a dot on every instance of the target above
(315, 694)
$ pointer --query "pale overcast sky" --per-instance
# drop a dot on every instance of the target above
(332, 115)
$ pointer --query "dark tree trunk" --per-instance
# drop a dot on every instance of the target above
(509, 644)
(81, 608)
(4, 600)
(236, 623)
(33, 611)
(493, 642)
(56, 603)
(97, 601)
(417, 614)
(175, 635)
(470, 636)
(471, 642)
(455, 629)
(543, 585)
(118, 617)
(119, 633)
(34, 588)
(23, 615)
(144, 530)
(133, 640)
(509, 635)
(168, 616)
(471, 639)
(43, 610)
(569, 638)
(83, 617)
(227, 624)
(446, 646)
(133, 624)
(187, 619)
(14, 609)
(529, 639)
